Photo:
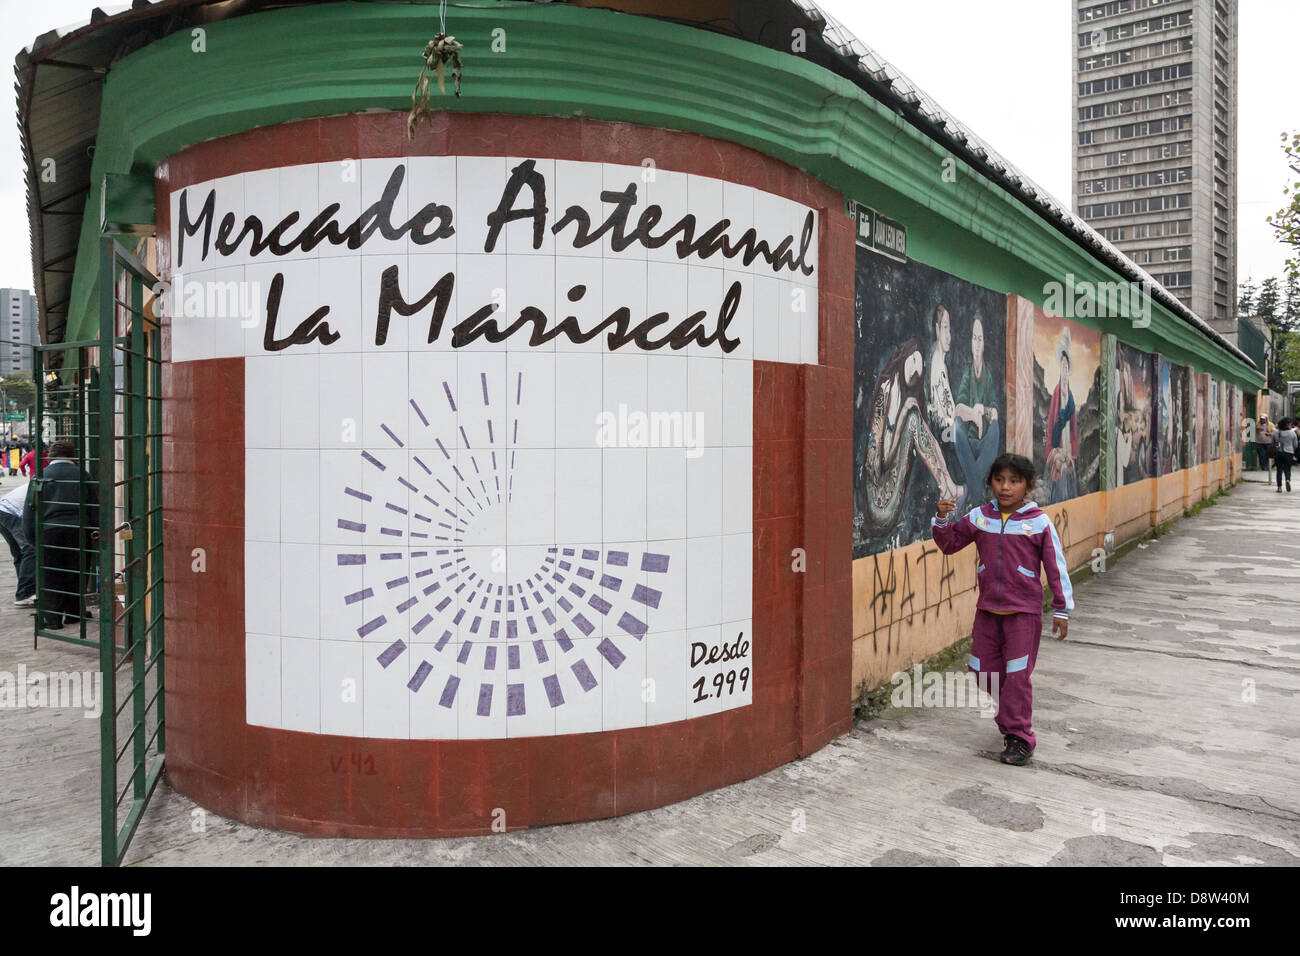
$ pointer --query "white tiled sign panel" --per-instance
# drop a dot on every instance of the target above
(465, 538)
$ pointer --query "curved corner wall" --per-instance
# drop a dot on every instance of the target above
(439, 561)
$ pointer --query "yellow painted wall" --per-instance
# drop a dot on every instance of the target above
(912, 602)
(1195, 485)
(1167, 499)
(1129, 509)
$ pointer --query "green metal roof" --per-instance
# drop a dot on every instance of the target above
(838, 112)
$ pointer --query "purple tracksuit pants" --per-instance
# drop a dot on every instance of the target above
(1007, 645)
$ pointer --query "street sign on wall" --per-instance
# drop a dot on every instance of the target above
(879, 233)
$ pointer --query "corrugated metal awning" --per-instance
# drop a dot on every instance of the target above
(60, 75)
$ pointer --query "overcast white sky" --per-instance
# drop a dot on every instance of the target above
(1003, 68)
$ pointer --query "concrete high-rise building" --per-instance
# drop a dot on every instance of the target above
(1155, 141)
(17, 330)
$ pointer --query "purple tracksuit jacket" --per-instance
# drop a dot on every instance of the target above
(1009, 556)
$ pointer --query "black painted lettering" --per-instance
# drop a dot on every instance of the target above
(312, 328)
(190, 227)
(390, 301)
(525, 174)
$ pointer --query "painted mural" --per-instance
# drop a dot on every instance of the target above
(929, 396)
(1067, 408)
(1236, 420)
(1134, 415)
(1198, 436)
(1171, 417)
(1217, 420)
(1225, 419)
(498, 454)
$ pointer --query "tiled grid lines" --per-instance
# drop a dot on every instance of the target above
(388, 436)
(691, 370)
(452, 549)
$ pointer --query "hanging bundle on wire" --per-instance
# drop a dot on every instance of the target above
(440, 52)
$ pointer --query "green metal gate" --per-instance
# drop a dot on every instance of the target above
(99, 561)
(67, 562)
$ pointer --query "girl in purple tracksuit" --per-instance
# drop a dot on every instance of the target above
(1014, 537)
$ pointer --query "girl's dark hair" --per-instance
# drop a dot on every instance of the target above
(1017, 464)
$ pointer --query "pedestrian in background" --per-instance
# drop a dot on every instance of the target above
(24, 555)
(27, 464)
(66, 519)
(1264, 442)
(1285, 440)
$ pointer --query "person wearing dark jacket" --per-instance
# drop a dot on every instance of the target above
(1285, 442)
(69, 503)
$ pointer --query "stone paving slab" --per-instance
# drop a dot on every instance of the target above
(1169, 733)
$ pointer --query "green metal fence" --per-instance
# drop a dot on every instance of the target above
(99, 530)
(130, 472)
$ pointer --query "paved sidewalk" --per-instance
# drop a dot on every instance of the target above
(1168, 726)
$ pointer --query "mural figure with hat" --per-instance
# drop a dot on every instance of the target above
(1063, 427)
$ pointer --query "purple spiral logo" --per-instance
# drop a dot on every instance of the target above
(489, 602)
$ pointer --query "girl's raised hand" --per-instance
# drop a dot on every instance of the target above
(945, 505)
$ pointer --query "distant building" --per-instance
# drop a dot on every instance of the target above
(18, 309)
(1155, 141)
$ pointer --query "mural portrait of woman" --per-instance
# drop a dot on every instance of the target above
(1063, 428)
(978, 434)
(943, 407)
(1067, 390)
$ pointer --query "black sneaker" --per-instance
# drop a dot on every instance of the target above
(1017, 752)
